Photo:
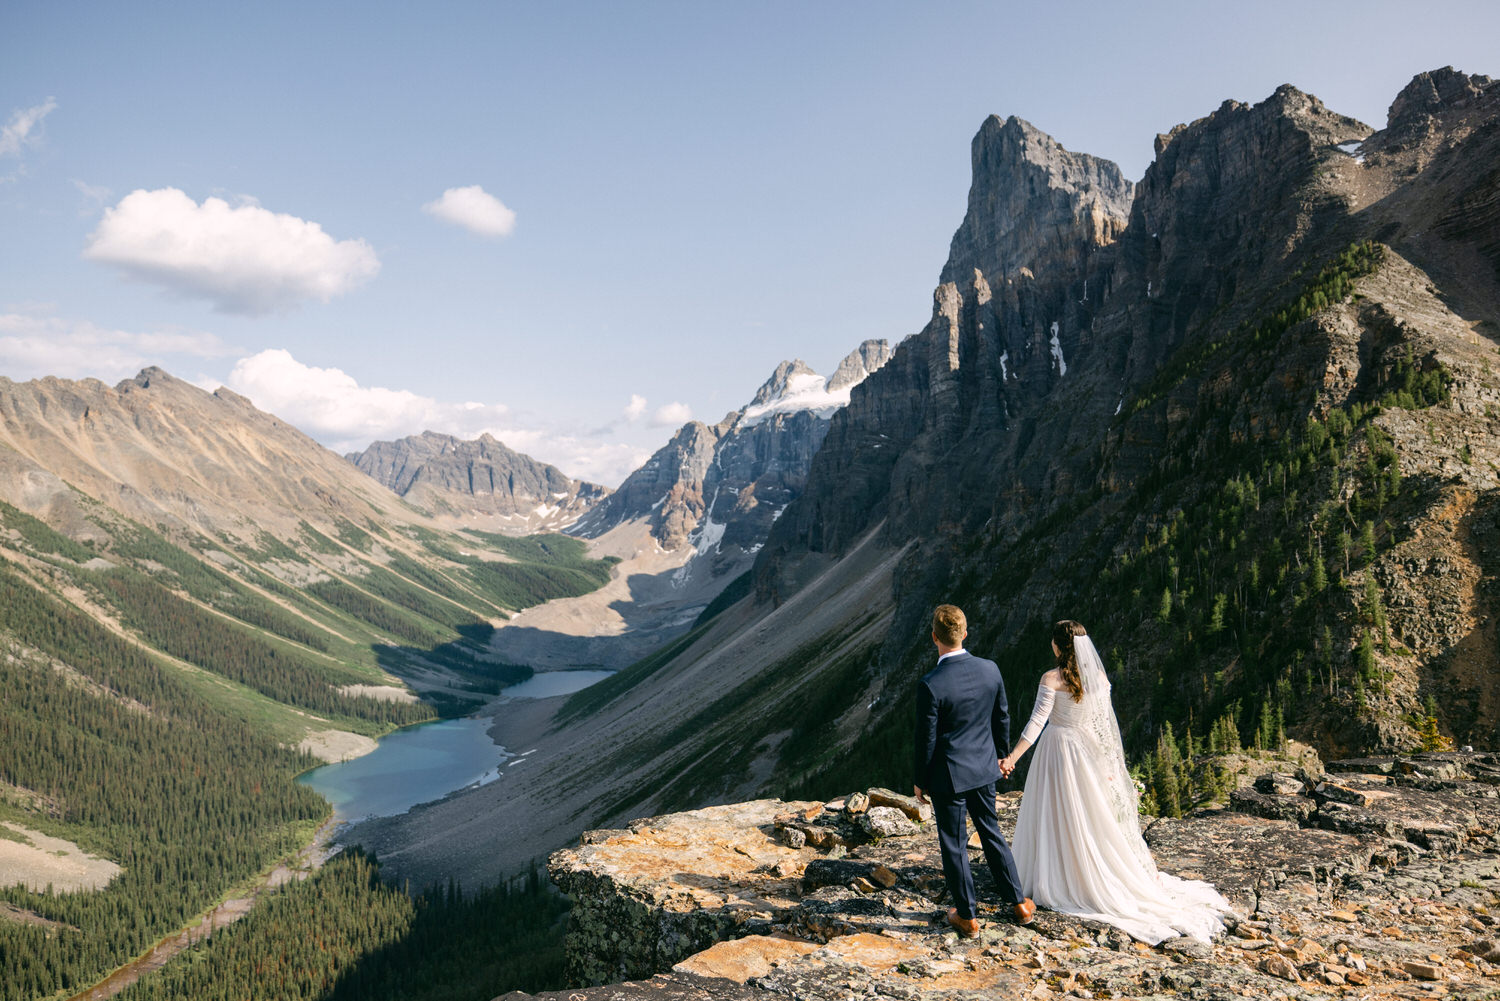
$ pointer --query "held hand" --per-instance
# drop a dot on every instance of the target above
(1006, 767)
(921, 796)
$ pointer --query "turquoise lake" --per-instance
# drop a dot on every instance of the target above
(426, 762)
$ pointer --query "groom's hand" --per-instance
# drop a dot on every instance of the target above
(921, 796)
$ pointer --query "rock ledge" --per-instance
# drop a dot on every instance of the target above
(1372, 879)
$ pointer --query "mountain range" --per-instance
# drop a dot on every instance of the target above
(478, 483)
(1238, 418)
(685, 526)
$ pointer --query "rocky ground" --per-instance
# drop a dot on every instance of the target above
(1370, 878)
(36, 861)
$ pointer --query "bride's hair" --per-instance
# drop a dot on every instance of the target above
(1067, 660)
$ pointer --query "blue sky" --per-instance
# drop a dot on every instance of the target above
(671, 197)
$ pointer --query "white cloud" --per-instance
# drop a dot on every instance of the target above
(330, 405)
(672, 415)
(33, 346)
(334, 408)
(244, 259)
(15, 134)
(475, 209)
(635, 408)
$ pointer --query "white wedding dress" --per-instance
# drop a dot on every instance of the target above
(1078, 842)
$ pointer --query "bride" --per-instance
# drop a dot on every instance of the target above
(1078, 842)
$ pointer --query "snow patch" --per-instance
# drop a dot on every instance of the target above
(1004, 372)
(804, 391)
(1057, 352)
(1353, 150)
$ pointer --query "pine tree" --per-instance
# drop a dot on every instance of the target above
(1166, 782)
(1365, 656)
(1432, 738)
(1216, 616)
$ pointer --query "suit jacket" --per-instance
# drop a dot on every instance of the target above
(963, 725)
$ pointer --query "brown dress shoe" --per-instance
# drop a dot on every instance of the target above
(1025, 912)
(967, 927)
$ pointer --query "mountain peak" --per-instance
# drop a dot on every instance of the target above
(1432, 92)
(145, 377)
(781, 380)
(1030, 200)
(859, 364)
(479, 479)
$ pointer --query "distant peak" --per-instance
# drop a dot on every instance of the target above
(147, 375)
(795, 388)
(860, 364)
(781, 379)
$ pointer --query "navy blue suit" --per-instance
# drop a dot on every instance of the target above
(963, 729)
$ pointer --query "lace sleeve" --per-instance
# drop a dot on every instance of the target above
(1044, 699)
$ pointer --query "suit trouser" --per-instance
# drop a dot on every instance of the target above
(953, 837)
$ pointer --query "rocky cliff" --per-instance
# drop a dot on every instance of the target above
(479, 483)
(1187, 397)
(1372, 878)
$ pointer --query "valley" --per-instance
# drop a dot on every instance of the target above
(1240, 416)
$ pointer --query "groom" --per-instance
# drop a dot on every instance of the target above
(963, 728)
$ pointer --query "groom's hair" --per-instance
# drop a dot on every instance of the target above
(949, 624)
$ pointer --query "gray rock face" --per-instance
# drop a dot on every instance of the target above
(483, 477)
(1431, 94)
(1033, 205)
(860, 364)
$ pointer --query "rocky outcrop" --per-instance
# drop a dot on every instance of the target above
(1429, 99)
(1385, 885)
(481, 482)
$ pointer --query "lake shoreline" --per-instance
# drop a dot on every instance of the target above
(436, 760)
